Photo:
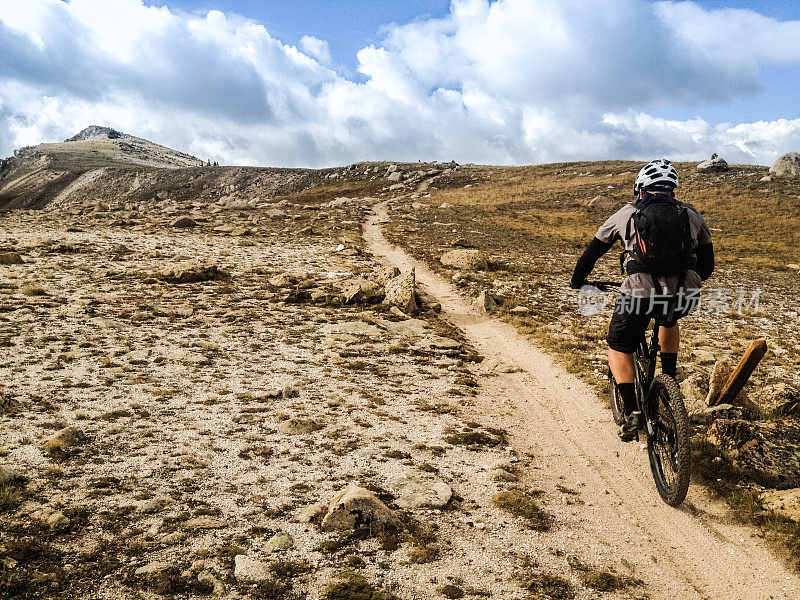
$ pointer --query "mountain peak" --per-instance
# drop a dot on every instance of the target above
(95, 132)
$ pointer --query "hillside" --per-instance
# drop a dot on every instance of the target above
(224, 382)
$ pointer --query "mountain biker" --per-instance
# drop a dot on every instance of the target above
(655, 220)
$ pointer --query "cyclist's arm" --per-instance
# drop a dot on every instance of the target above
(596, 249)
(705, 260)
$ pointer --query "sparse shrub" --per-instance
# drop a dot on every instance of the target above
(605, 581)
(521, 505)
(545, 585)
(352, 586)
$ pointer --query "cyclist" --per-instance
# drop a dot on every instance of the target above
(667, 253)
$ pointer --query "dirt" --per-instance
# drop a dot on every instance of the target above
(694, 551)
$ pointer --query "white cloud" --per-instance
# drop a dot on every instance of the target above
(510, 81)
(316, 48)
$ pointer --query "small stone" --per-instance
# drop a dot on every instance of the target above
(703, 356)
(251, 570)
(465, 260)
(152, 568)
(420, 490)
(298, 426)
(313, 512)
(57, 521)
(279, 542)
(11, 258)
(486, 302)
(63, 439)
(503, 475)
(358, 508)
(520, 310)
(185, 222)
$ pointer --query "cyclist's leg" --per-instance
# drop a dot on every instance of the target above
(669, 340)
(628, 324)
(621, 365)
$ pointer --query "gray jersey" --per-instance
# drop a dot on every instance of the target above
(619, 226)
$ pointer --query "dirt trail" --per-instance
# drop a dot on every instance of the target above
(690, 552)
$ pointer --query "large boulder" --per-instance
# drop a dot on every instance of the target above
(465, 259)
(787, 165)
(358, 508)
(714, 165)
(401, 292)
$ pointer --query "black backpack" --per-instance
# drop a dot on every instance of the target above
(662, 242)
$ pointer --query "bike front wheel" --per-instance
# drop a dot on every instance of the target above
(668, 445)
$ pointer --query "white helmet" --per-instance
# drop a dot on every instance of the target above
(659, 173)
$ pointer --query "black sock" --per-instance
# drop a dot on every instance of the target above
(669, 363)
(627, 392)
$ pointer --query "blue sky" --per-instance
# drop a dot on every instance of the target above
(318, 82)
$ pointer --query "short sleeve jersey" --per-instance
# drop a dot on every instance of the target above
(619, 226)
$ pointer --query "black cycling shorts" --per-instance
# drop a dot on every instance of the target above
(632, 316)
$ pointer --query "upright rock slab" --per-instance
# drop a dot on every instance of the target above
(401, 292)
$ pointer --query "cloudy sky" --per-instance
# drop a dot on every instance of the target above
(325, 82)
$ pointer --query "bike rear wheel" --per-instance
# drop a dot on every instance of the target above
(617, 406)
(668, 447)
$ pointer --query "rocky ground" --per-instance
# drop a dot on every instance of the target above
(216, 401)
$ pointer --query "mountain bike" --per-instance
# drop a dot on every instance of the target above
(665, 419)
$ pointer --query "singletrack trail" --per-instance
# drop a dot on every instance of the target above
(694, 551)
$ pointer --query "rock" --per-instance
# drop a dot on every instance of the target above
(153, 568)
(703, 356)
(204, 522)
(395, 176)
(719, 375)
(486, 302)
(391, 169)
(765, 179)
(185, 222)
(462, 243)
(279, 542)
(693, 390)
(428, 301)
(351, 328)
(500, 474)
(297, 426)
(190, 272)
(420, 490)
(397, 187)
(714, 165)
(777, 399)
(187, 356)
(401, 292)
(63, 440)
(709, 414)
(408, 327)
(605, 202)
(275, 214)
(251, 570)
(57, 521)
(361, 290)
(787, 165)
(313, 513)
(385, 274)
(520, 310)
(397, 312)
(282, 280)
(11, 258)
(7, 475)
(793, 266)
(785, 503)
(358, 508)
(465, 260)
